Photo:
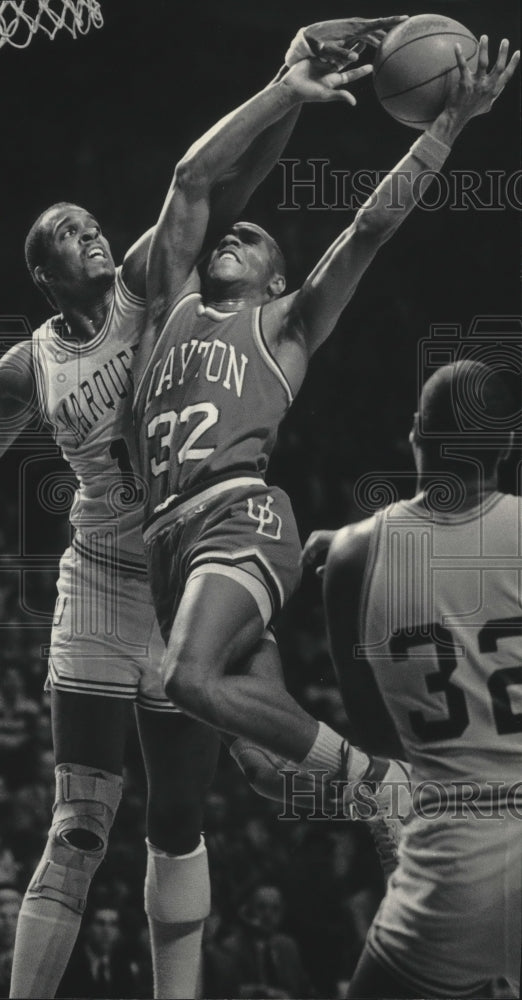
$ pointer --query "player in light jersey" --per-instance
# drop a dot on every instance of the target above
(424, 615)
(105, 645)
(218, 368)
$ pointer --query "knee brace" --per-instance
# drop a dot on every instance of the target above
(177, 887)
(83, 813)
(262, 770)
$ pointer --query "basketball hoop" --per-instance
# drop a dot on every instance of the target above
(21, 19)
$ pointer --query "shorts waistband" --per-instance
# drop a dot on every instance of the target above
(178, 504)
(110, 559)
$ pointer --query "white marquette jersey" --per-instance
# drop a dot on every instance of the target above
(85, 394)
(441, 626)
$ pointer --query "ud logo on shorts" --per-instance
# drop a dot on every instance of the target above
(269, 523)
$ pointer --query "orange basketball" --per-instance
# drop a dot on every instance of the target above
(416, 65)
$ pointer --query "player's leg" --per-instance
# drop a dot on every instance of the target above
(180, 757)
(88, 790)
(261, 768)
(218, 626)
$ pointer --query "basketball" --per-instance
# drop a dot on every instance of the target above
(416, 65)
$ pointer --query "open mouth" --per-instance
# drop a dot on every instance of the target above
(228, 255)
(95, 253)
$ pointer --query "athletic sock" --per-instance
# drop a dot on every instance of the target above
(177, 900)
(176, 955)
(45, 936)
(327, 753)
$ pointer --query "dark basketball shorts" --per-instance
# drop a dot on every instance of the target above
(240, 529)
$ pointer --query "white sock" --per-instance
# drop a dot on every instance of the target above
(325, 754)
(177, 890)
(45, 937)
(176, 951)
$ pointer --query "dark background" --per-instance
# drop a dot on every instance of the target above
(101, 121)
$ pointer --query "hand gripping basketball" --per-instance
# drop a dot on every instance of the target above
(474, 93)
(333, 41)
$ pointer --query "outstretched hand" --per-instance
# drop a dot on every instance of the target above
(475, 93)
(332, 41)
(315, 549)
(311, 81)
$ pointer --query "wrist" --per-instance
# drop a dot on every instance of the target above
(290, 90)
(431, 150)
(447, 126)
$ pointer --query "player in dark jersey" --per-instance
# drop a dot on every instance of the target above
(74, 360)
(217, 371)
(423, 609)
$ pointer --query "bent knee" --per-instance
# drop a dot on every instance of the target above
(192, 690)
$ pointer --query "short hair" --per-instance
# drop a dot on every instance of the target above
(467, 398)
(37, 239)
(37, 243)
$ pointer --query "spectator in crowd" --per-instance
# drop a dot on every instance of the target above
(99, 966)
(10, 903)
(219, 973)
(267, 962)
(18, 716)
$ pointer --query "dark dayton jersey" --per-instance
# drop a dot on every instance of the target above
(209, 401)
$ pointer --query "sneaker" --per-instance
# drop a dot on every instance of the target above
(382, 798)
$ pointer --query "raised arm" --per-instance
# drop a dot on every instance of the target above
(227, 198)
(330, 41)
(18, 399)
(310, 315)
(180, 233)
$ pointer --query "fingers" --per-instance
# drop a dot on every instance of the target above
(483, 56)
(501, 71)
(510, 68)
(317, 542)
(342, 79)
(337, 55)
(344, 95)
(350, 75)
(465, 74)
(358, 48)
(500, 64)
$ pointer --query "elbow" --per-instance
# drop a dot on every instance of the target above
(373, 226)
(190, 175)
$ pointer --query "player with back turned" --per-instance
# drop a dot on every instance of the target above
(105, 645)
(218, 367)
(423, 609)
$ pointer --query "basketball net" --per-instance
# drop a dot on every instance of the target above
(21, 19)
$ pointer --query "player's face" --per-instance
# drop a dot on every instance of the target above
(78, 253)
(243, 257)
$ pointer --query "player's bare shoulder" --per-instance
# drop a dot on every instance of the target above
(348, 553)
